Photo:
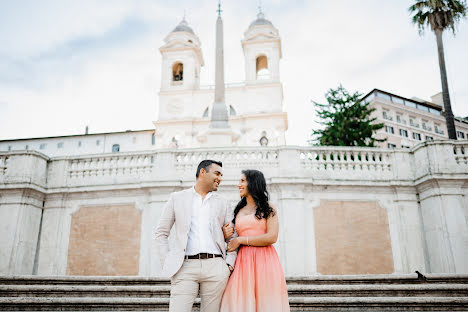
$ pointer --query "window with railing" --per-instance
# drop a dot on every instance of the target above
(426, 127)
(404, 133)
(391, 145)
(399, 119)
(438, 130)
(417, 136)
(460, 135)
(413, 123)
(389, 129)
(429, 138)
(386, 115)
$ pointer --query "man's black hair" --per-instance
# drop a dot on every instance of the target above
(204, 164)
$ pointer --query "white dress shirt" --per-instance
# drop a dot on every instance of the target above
(200, 238)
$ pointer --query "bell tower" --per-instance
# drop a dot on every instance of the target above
(262, 51)
(181, 59)
(180, 72)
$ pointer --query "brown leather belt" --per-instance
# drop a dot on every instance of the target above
(203, 255)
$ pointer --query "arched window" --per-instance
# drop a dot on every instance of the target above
(262, 67)
(178, 72)
(115, 148)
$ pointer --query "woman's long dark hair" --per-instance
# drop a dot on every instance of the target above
(257, 189)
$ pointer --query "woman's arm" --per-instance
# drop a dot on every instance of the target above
(267, 239)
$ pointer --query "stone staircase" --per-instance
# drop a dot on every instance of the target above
(411, 292)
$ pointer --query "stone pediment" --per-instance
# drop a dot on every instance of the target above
(260, 37)
(177, 45)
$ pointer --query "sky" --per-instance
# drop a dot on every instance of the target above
(65, 64)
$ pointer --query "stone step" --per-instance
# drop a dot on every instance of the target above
(410, 292)
(297, 304)
(291, 280)
(162, 291)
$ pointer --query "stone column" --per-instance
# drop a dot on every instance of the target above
(150, 219)
(20, 217)
(55, 236)
(445, 226)
(408, 245)
(294, 243)
(441, 178)
(23, 179)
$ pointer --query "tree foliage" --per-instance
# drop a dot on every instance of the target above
(438, 14)
(346, 119)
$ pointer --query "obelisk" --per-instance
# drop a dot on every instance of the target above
(219, 114)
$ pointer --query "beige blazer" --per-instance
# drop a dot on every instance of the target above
(178, 214)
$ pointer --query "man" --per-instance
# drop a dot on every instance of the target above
(197, 256)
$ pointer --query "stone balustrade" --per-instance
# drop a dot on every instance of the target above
(460, 150)
(316, 162)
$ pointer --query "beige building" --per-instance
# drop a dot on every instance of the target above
(409, 122)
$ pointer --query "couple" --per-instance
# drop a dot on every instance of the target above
(245, 275)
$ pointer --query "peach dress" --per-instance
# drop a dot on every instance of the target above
(257, 283)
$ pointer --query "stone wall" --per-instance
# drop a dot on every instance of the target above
(341, 210)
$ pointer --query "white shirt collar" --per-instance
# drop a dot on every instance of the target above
(207, 195)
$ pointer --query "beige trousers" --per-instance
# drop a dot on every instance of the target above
(210, 275)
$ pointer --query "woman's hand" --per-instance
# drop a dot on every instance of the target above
(228, 231)
(233, 244)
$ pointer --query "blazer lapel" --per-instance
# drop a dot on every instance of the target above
(188, 203)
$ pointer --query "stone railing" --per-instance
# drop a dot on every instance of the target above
(314, 163)
(460, 150)
(241, 158)
(111, 165)
(346, 159)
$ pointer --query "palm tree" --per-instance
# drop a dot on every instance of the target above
(440, 15)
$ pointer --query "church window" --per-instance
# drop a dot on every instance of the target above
(60, 145)
(232, 111)
(262, 67)
(42, 146)
(27, 147)
(153, 139)
(115, 148)
(178, 72)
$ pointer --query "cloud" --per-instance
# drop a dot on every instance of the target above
(68, 64)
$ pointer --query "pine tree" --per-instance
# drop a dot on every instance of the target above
(347, 121)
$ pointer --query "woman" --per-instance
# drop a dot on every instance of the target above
(257, 282)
